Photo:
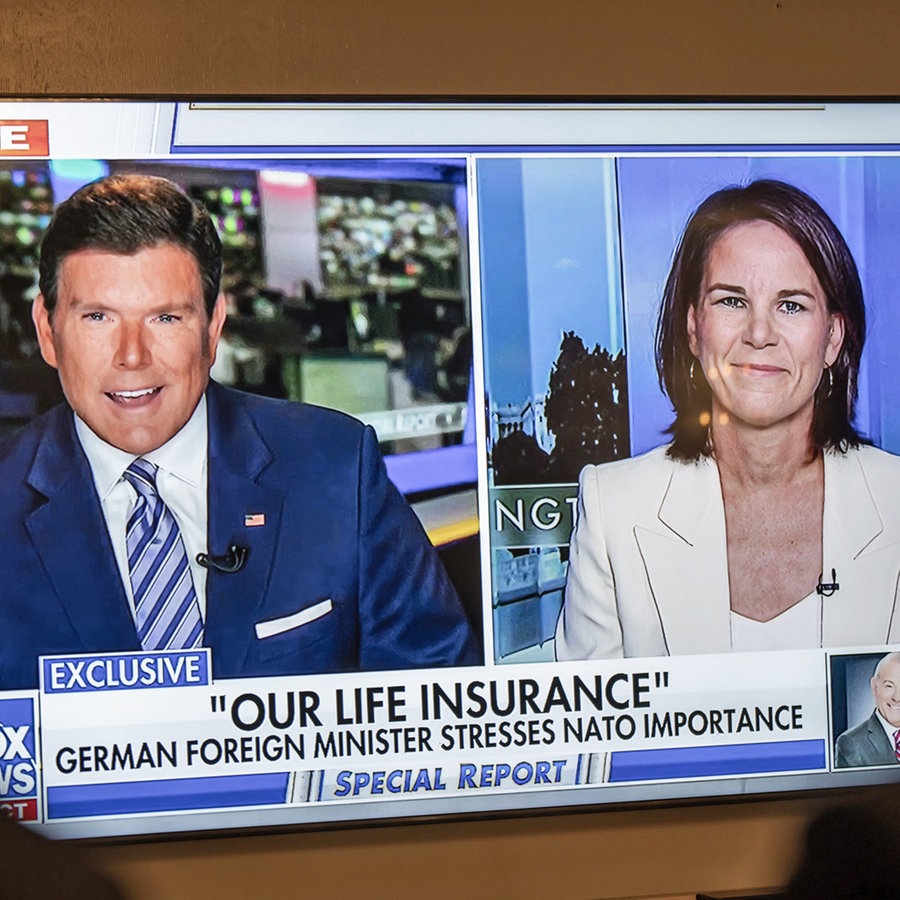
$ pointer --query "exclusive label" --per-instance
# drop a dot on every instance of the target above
(124, 671)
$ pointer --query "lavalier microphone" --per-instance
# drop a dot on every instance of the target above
(233, 561)
(826, 589)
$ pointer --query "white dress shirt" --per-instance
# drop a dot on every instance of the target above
(889, 730)
(181, 482)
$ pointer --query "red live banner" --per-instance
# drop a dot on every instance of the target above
(24, 137)
(20, 810)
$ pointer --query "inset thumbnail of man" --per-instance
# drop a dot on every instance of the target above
(876, 742)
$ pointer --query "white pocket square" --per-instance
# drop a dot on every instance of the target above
(295, 620)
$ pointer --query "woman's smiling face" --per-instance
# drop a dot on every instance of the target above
(761, 327)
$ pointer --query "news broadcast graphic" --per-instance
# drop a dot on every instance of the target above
(149, 733)
(20, 781)
(479, 284)
(24, 137)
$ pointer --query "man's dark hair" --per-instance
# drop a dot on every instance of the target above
(125, 214)
(803, 219)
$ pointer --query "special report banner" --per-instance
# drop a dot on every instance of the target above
(144, 733)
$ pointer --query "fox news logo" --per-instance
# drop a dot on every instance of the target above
(18, 773)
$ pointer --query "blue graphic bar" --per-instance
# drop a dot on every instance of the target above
(124, 671)
(169, 795)
(543, 147)
(734, 759)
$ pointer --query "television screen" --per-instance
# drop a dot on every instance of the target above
(364, 461)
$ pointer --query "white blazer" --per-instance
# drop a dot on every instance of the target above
(648, 567)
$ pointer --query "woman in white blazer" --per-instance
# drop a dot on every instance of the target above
(766, 523)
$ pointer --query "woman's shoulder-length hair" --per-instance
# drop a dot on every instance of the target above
(803, 219)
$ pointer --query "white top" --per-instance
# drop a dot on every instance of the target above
(798, 628)
(648, 562)
(181, 481)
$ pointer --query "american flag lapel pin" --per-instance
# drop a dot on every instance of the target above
(254, 520)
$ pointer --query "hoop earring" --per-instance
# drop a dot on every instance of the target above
(691, 371)
(830, 387)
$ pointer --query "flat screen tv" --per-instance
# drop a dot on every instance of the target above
(630, 368)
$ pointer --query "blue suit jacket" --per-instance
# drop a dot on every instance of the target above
(335, 529)
(865, 745)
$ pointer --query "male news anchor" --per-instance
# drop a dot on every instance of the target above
(876, 742)
(159, 510)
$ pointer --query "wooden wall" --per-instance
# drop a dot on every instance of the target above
(582, 47)
(650, 47)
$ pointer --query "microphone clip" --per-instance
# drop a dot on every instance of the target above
(826, 589)
(228, 564)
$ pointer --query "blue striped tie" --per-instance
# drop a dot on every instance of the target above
(166, 610)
